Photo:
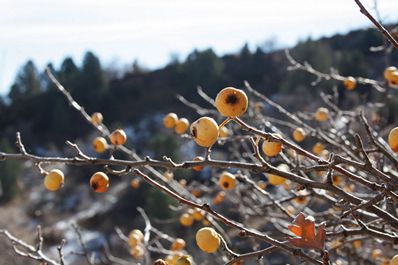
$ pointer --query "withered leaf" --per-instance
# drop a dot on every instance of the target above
(304, 228)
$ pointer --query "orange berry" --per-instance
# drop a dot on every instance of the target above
(198, 159)
(178, 244)
(97, 118)
(99, 182)
(196, 192)
(393, 82)
(168, 175)
(219, 198)
(262, 184)
(186, 220)
(138, 233)
(134, 239)
(172, 259)
(394, 260)
(183, 182)
(318, 148)
(100, 144)
(198, 214)
(336, 180)
(137, 252)
(231, 102)
(357, 244)
(170, 120)
(271, 148)
(206, 222)
(181, 126)
(54, 180)
(204, 131)
(135, 183)
(350, 83)
(118, 137)
(278, 180)
(299, 135)
(301, 199)
(393, 139)
(184, 260)
(208, 240)
(227, 181)
(388, 72)
(223, 132)
(322, 114)
(376, 253)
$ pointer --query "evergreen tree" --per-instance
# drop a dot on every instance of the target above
(9, 172)
(27, 82)
(92, 82)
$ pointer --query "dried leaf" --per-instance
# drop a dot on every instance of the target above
(305, 230)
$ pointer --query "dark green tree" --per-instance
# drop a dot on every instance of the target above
(92, 83)
(27, 82)
(9, 172)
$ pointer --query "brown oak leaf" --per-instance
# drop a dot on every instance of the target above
(305, 230)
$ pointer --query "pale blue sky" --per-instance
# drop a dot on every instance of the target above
(150, 30)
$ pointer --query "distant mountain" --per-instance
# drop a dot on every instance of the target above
(35, 108)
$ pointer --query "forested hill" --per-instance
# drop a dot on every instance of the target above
(40, 112)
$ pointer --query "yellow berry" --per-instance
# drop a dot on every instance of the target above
(318, 148)
(394, 260)
(393, 139)
(271, 148)
(223, 132)
(99, 182)
(100, 144)
(198, 159)
(186, 220)
(118, 137)
(322, 114)
(54, 180)
(170, 120)
(208, 240)
(350, 83)
(178, 244)
(135, 183)
(299, 134)
(227, 181)
(204, 131)
(219, 198)
(198, 214)
(181, 126)
(388, 72)
(231, 102)
(184, 260)
(278, 180)
(97, 118)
